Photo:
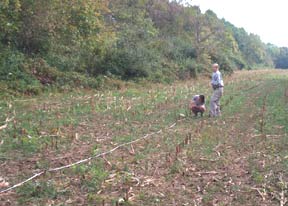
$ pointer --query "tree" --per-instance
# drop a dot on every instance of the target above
(281, 60)
(132, 56)
(9, 20)
(160, 40)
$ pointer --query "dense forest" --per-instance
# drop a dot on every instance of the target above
(68, 43)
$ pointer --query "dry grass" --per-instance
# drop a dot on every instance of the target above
(238, 159)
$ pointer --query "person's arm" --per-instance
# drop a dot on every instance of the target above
(215, 80)
(193, 102)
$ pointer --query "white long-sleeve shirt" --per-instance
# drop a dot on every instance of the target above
(217, 79)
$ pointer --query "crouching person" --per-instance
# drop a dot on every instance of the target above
(197, 105)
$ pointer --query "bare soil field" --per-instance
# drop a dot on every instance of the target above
(141, 146)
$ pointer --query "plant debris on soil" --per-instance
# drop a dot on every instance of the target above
(240, 158)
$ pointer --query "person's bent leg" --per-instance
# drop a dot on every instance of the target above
(196, 110)
(202, 110)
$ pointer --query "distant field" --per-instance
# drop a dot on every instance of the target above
(238, 159)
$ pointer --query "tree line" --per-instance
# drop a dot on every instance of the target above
(66, 43)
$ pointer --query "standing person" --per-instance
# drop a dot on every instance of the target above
(218, 87)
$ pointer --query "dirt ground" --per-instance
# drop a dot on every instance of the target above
(240, 158)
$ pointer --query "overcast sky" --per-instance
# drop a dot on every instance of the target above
(268, 19)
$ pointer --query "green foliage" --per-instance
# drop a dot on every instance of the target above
(189, 69)
(37, 190)
(280, 56)
(127, 63)
(71, 42)
(9, 20)
(13, 74)
(252, 49)
(92, 177)
(133, 55)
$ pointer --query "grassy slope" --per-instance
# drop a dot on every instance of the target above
(239, 159)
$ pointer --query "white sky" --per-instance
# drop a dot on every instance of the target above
(268, 19)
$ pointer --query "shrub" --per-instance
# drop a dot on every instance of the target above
(14, 75)
(77, 80)
(188, 69)
(39, 68)
(128, 63)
